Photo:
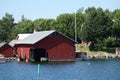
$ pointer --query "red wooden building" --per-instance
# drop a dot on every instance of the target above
(52, 45)
(6, 50)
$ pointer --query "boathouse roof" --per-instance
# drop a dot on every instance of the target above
(22, 36)
(18, 38)
(2, 44)
(37, 36)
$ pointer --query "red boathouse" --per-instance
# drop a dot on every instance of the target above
(6, 50)
(51, 45)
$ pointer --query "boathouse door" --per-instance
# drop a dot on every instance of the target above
(37, 54)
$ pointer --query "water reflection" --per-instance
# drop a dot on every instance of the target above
(61, 63)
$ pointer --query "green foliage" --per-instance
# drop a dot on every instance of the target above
(109, 49)
(6, 25)
(110, 42)
(24, 26)
(65, 24)
(107, 44)
(44, 24)
(116, 23)
(95, 24)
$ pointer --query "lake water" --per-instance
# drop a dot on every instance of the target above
(82, 70)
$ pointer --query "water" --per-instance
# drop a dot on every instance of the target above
(83, 70)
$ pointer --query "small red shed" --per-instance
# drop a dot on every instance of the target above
(52, 45)
(6, 50)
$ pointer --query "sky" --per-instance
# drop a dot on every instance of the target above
(34, 9)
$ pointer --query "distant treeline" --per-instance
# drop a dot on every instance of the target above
(102, 27)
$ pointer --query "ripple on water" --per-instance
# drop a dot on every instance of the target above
(83, 70)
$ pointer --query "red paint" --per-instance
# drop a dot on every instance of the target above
(7, 50)
(58, 47)
(23, 51)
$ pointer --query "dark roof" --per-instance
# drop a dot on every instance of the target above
(37, 36)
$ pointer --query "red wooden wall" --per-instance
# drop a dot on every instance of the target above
(58, 47)
(23, 51)
(7, 51)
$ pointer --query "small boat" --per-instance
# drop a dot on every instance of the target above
(82, 56)
(2, 59)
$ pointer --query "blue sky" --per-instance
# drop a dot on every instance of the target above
(34, 9)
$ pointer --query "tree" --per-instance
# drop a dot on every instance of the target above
(44, 24)
(65, 24)
(116, 23)
(24, 26)
(6, 25)
(97, 26)
(111, 42)
(93, 24)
